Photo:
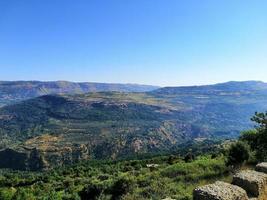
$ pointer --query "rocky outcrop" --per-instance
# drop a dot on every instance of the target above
(262, 167)
(35, 159)
(220, 191)
(252, 181)
(247, 184)
(10, 158)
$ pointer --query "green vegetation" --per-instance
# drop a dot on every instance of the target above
(192, 164)
(64, 129)
(252, 144)
(238, 154)
(257, 138)
(77, 132)
(128, 179)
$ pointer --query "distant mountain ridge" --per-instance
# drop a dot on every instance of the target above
(15, 91)
(239, 86)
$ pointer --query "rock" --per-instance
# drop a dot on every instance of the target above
(152, 165)
(251, 181)
(262, 167)
(220, 191)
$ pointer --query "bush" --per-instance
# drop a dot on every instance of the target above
(189, 157)
(257, 139)
(238, 154)
(91, 192)
(7, 193)
(23, 194)
(121, 187)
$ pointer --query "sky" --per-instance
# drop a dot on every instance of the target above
(156, 42)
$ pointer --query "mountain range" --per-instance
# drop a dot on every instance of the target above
(15, 91)
(71, 125)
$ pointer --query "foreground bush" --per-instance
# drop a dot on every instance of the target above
(238, 154)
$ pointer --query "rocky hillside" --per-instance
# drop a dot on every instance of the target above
(63, 129)
(223, 109)
(15, 91)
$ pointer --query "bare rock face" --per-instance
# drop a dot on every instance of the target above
(220, 191)
(262, 167)
(36, 159)
(251, 181)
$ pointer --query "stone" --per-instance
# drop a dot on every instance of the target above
(251, 181)
(262, 167)
(220, 191)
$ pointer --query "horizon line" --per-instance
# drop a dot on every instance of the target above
(127, 83)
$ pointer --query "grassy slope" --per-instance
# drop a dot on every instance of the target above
(175, 180)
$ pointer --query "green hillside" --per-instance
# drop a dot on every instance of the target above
(63, 129)
(127, 180)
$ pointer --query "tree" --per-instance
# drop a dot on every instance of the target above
(121, 187)
(238, 154)
(7, 193)
(261, 120)
(189, 157)
(91, 192)
(23, 194)
(257, 138)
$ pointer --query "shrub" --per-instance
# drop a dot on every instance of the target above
(91, 192)
(238, 154)
(257, 139)
(121, 187)
(189, 157)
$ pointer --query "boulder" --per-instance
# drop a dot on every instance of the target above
(220, 191)
(251, 181)
(262, 167)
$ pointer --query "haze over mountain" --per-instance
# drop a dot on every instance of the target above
(61, 129)
(14, 91)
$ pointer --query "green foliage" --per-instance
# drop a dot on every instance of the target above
(238, 154)
(261, 120)
(203, 168)
(107, 180)
(189, 157)
(7, 193)
(92, 192)
(121, 187)
(23, 194)
(257, 139)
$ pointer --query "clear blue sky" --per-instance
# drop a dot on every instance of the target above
(160, 42)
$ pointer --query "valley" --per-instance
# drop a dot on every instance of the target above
(60, 129)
